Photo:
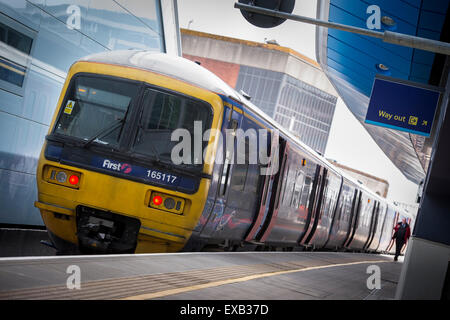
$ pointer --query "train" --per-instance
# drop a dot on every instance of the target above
(107, 182)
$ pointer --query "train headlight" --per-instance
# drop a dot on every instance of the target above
(62, 177)
(169, 203)
(166, 202)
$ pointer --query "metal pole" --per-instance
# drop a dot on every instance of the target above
(387, 36)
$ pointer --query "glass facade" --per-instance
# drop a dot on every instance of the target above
(39, 41)
(262, 85)
(310, 109)
(291, 102)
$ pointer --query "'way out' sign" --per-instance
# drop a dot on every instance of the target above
(402, 105)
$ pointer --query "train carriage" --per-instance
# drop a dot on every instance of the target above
(107, 181)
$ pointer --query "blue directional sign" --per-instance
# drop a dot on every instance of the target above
(402, 105)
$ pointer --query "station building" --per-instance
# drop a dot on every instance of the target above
(39, 41)
(286, 85)
(377, 185)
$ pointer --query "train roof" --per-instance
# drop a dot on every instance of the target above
(190, 72)
(165, 64)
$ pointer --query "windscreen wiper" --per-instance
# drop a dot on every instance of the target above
(103, 132)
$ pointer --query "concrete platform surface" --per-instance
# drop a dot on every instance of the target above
(197, 276)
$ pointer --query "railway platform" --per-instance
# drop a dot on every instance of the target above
(201, 276)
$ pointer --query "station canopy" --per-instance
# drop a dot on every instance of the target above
(352, 61)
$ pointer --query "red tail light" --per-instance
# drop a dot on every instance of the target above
(157, 200)
(73, 180)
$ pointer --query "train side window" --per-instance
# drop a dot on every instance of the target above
(254, 180)
(239, 175)
(285, 185)
(343, 215)
(304, 199)
(266, 187)
(366, 214)
(229, 154)
(350, 205)
(299, 182)
(15, 47)
(325, 199)
(288, 190)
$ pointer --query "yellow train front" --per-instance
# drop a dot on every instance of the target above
(106, 179)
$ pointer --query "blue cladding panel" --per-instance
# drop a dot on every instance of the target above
(366, 51)
(432, 21)
(395, 9)
(438, 6)
(354, 57)
(414, 3)
(344, 60)
(361, 83)
(342, 16)
(421, 70)
(424, 57)
(401, 12)
(428, 34)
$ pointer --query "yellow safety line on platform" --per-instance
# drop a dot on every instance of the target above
(170, 292)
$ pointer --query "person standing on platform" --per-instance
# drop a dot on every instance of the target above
(402, 233)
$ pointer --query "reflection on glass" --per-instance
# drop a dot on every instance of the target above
(162, 114)
(14, 49)
(111, 24)
(93, 105)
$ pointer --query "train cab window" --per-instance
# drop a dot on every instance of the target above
(96, 108)
(161, 114)
(15, 46)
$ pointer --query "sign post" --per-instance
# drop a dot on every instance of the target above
(402, 105)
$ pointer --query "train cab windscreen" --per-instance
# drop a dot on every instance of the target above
(161, 114)
(123, 115)
(95, 108)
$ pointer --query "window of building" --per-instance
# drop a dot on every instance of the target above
(15, 47)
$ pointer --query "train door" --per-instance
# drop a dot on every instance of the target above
(317, 194)
(272, 195)
(341, 222)
(328, 208)
(355, 217)
(351, 218)
(373, 224)
(270, 186)
(221, 214)
(375, 244)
